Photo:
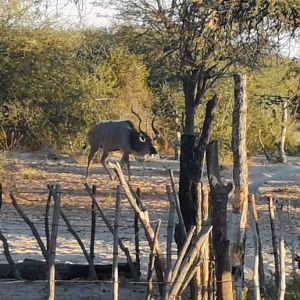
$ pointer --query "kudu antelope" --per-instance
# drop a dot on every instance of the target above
(113, 135)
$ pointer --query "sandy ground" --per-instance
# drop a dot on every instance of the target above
(27, 174)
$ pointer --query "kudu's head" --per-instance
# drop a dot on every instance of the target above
(140, 141)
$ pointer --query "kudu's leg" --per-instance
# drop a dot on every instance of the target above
(91, 155)
(125, 159)
(103, 161)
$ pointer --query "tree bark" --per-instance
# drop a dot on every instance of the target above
(219, 198)
(240, 178)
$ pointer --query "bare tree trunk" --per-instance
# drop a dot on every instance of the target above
(240, 178)
(219, 198)
(282, 154)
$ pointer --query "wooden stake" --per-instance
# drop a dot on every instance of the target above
(115, 275)
(282, 286)
(182, 253)
(292, 242)
(93, 232)
(137, 236)
(274, 239)
(261, 261)
(256, 253)
(151, 262)
(177, 205)
(189, 264)
(144, 220)
(52, 253)
(47, 233)
(1, 195)
(110, 227)
(169, 242)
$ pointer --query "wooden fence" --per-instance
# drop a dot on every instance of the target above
(174, 272)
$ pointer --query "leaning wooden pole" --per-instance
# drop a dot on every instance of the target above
(52, 250)
(142, 216)
(31, 226)
(115, 274)
(9, 257)
(110, 227)
(240, 178)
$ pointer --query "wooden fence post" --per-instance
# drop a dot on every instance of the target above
(169, 242)
(292, 242)
(115, 274)
(52, 253)
(177, 205)
(274, 239)
(1, 195)
(219, 198)
(47, 233)
(240, 178)
(137, 235)
(282, 286)
(93, 230)
(256, 253)
(151, 262)
(261, 261)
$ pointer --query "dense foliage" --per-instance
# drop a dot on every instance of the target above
(55, 83)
